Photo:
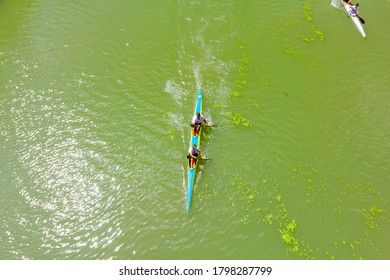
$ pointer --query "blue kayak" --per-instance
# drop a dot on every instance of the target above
(194, 140)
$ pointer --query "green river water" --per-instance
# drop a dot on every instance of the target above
(95, 103)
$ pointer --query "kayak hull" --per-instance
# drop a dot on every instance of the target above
(355, 20)
(196, 141)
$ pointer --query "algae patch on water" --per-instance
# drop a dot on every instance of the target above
(309, 19)
(242, 198)
(171, 134)
(241, 80)
(344, 231)
(261, 202)
(288, 236)
(288, 228)
(372, 216)
(235, 118)
(335, 201)
(305, 30)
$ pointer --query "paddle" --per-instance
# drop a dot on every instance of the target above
(355, 9)
(212, 125)
(189, 157)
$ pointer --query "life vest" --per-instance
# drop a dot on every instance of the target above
(196, 121)
(194, 152)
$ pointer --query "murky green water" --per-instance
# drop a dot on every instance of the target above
(95, 103)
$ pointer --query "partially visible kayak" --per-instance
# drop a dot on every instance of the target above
(194, 140)
(355, 19)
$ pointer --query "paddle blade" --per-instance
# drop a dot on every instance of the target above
(211, 125)
(362, 20)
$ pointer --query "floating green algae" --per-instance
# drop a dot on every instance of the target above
(338, 199)
(291, 38)
(233, 118)
(268, 218)
(218, 106)
(248, 198)
(290, 49)
(243, 199)
(287, 229)
(205, 193)
(309, 19)
(308, 39)
(307, 12)
(375, 211)
(261, 202)
(171, 134)
(237, 119)
(372, 216)
(304, 30)
(350, 248)
(241, 80)
(235, 94)
(318, 33)
(288, 236)
(344, 234)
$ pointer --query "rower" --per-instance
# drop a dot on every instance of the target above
(193, 154)
(354, 11)
(196, 123)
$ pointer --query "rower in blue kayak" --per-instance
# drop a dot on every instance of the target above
(196, 123)
(193, 154)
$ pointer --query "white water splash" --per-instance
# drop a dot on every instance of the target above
(336, 4)
(197, 75)
(176, 90)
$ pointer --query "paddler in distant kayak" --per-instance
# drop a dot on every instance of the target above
(354, 11)
(196, 123)
(193, 154)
